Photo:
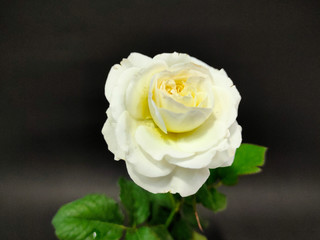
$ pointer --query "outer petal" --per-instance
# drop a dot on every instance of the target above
(138, 88)
(138, 60)
(203, 159)
(181, 180)
(146, 166)
(235, 135)
(134, 60)
(173, 58)
(117, 103)
(224, 108)
(209, 134)
(158, 144)
(109, 135)
(124, 132)
(222, 159)
(225, 157)
(236, 96)
(220, 77)
(112, 79)
(198, 161)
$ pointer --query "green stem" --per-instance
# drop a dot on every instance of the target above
(173, 212)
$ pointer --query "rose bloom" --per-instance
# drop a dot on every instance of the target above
(171, 118)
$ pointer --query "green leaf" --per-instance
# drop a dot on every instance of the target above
(161, 207)
(91, 217)
(159, 214)
(163, 199)
(181, 230)
(211, 198)
(162, 232)
(228, 175)
(198, 236)
(248, 159)
(135, 200)
(148, 233)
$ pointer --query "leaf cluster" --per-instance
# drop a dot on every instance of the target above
(142, 215)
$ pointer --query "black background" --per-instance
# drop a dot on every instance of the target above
(54, 59)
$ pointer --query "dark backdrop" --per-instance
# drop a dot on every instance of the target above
(54, 59)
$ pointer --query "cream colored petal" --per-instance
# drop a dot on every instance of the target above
(223, 72)
(158, 144)
(188, 181)
(167, 102)
(208, 135)
(124, 133)
(138, 88)
(220, 78)
(139, 60)
(202, 159)
(172, 103)
(221, 159)
(199, 62)
(117, 103)
(183, 181)
(235, 138)
(225, 157)
(173, 58)
(151, 184)
(134, 60)
(109, 135)
(236, 96)
(146, 165)
(112, 79)
(224, 108)
(184, 122)
(156, 116)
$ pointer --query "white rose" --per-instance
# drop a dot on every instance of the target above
(171, 118)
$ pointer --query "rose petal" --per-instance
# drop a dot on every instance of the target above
(158, 144)
(146, 166)
(173, 58)
(138, 88)
(197, 161)
(124, 132)
(156, 116)
(201, 160)
(209, 134)
(139, 60)
(184, 122)
(181, 180)
(109, 135)
(117, 103)
(112, 79)
(225, 158)
(221, 159)
(220, 78)
(235, 138)
(224, 108)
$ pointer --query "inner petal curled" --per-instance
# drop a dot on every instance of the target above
(180, 100)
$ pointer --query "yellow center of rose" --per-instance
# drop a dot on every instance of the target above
(175, 86)
(181, 100)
